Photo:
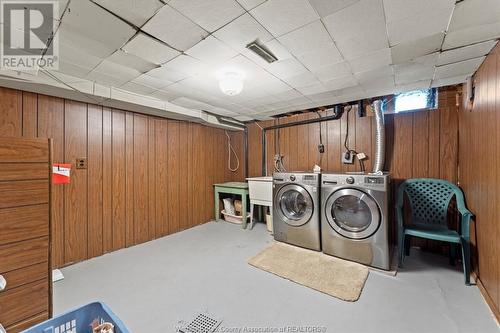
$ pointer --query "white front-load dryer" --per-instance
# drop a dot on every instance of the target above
(355, 217)
(296, 209)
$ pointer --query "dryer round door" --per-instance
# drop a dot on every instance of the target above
(295, 205)
(352, 213)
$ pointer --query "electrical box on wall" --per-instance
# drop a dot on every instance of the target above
(81, 163)
(348, 157)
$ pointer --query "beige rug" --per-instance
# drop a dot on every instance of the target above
(336, 277)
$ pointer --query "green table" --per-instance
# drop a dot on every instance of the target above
(238, 188)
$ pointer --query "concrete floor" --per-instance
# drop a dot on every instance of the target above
(156, 285)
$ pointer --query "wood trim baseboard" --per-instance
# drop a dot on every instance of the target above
(487, 297)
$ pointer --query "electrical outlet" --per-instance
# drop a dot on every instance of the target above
(81, 163)
(347, 158)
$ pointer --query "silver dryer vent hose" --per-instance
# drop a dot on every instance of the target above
(378, 165)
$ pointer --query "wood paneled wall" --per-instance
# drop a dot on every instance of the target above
(479, 160)
(147, 177)
(418, 144)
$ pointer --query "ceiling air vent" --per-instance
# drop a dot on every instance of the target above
(262, 52)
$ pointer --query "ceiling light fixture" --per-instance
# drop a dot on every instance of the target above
(231, 82)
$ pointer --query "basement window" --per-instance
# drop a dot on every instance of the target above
(423, 99)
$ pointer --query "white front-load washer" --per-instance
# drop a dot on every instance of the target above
(355, 217)
(296, 209)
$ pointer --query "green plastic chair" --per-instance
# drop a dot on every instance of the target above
(429, 202)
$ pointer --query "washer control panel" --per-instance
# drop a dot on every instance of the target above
(299, 178)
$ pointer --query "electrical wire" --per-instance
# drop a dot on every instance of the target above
(320, 129)
(279, 166)
(349, 150)
(231, 149)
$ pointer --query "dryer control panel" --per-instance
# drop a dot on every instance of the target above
(375, 182)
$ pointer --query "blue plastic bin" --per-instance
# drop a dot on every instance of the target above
(79, 320)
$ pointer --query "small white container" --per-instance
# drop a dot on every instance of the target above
(233, 218)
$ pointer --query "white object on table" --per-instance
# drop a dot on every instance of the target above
(261, 193)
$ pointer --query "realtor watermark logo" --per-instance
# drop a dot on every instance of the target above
(28, 35)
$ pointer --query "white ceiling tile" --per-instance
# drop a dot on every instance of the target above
(359, 45)
(242, 31)
(282, 16)
(350, 91)
(105, 35)
(449, 81)
(131, 61)
(102, 91)
(77, 56)
(134, 11)
(117, 70)
(400, 9)
(164, 95)
(225, 112)
(272, 85)
(253, 72)
(374, 74)
(458, 68)
(174, 29)
(72, 69)
(341, 82)
(334, 71)
(359, 28)
(286, 68)
(320, 57)
(471, 13)
(405, 77)
(471, 35)
(287, 95)
(306, 39)
(211, 51)
(411, 50)
(466, 52)
(473, 21)
(250, 4)
(191, 103)
(117, 80)
(137, 88)
(425, 84)
(418, 26)
(315, 88)
(243, 118)
(186, 65)
(416, 64)
(302, 80)
(386, 82)
(327, 7)
(164, 73)
(150, 49)
(62, 5)
(210, 15)
(324, 96)
(370, 93)
(150, 81)
(371, 61)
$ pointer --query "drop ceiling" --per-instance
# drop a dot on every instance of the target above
(329, 51)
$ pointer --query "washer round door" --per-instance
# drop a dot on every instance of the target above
(295, 205)
(352, 213)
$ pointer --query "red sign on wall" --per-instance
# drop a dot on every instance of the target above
(61, 173)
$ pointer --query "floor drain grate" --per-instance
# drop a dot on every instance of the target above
(203, 323)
